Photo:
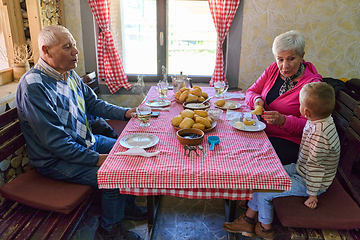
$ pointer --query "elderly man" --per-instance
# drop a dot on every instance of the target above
(53, 104)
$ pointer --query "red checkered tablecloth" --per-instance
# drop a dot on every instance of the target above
(242, 161)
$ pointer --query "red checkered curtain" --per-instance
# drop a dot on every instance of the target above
(109, 62)
(222, 12)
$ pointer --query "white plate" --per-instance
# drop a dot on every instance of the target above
(142, 140)
(236, 105)
(258, 127)
(158, 103)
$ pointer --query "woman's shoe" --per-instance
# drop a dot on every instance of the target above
(243, 225)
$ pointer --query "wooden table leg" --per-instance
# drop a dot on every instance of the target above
(152, 207)
(230, 214)
(230, 210)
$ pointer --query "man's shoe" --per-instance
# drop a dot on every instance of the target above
(261, 232)
(136, 214)
(243, 224)
(118, 232)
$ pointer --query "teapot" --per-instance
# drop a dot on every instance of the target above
(180, 81)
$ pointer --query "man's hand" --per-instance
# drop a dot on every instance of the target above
(128, 112)
(101, 159)
(311, 202)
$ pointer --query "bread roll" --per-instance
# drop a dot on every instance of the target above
(220, 102)
(176, 120)
(257, 111)
(183, 89)
(205, 95)
(191, 97)
(178, 94)
(201, 98)
(196, 92)
(186, 123)
(203, 121)
(201, 113)
(248, 122)
(187, 113)
(198, 126)
(184, 95)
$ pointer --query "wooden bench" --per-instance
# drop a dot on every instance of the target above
(35, 207)
(338, 212)
(91, 80)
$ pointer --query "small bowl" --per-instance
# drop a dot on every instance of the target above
(184, 136)
(214, 113)
(187, 106)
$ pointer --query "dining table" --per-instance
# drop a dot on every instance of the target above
(242, 162)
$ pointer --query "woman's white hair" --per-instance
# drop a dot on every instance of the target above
(291, 40)
(47, 35)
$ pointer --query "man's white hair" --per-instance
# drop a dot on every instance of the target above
(47, 35)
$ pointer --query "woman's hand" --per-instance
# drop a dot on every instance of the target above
(260, 102)
(311, 202)
(274, 118)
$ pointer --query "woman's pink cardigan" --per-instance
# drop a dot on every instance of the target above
(287, 104)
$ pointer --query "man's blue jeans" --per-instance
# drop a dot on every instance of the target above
(113, 203)
(262, 201)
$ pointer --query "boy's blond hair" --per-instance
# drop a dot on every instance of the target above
(319, 98)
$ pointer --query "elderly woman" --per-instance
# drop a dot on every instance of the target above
(277, 91)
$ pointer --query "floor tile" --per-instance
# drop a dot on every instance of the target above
(178, 219)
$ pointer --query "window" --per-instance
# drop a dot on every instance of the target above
(4, 63)
(177, 34)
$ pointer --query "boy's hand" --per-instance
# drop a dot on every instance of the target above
(311, 202)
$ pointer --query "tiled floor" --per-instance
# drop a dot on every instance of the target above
(178, 219)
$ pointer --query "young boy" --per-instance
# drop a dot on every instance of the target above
(315, 168)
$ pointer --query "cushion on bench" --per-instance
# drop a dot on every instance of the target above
(35, 190)
(336, 210)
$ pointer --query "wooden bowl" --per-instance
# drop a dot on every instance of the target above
(186, 136)
(187, 106)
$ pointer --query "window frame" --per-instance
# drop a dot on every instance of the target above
(161, 29)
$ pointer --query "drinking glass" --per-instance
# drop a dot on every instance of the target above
(143, 114)
(220, 88)
(162, 88)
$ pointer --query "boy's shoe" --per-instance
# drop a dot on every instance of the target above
(118, 232)
(261, 232)
(243, 224)
(136, 214)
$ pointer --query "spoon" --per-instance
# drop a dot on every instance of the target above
(186, 147)
(193, 148)
(202, 149)
(207, 100)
